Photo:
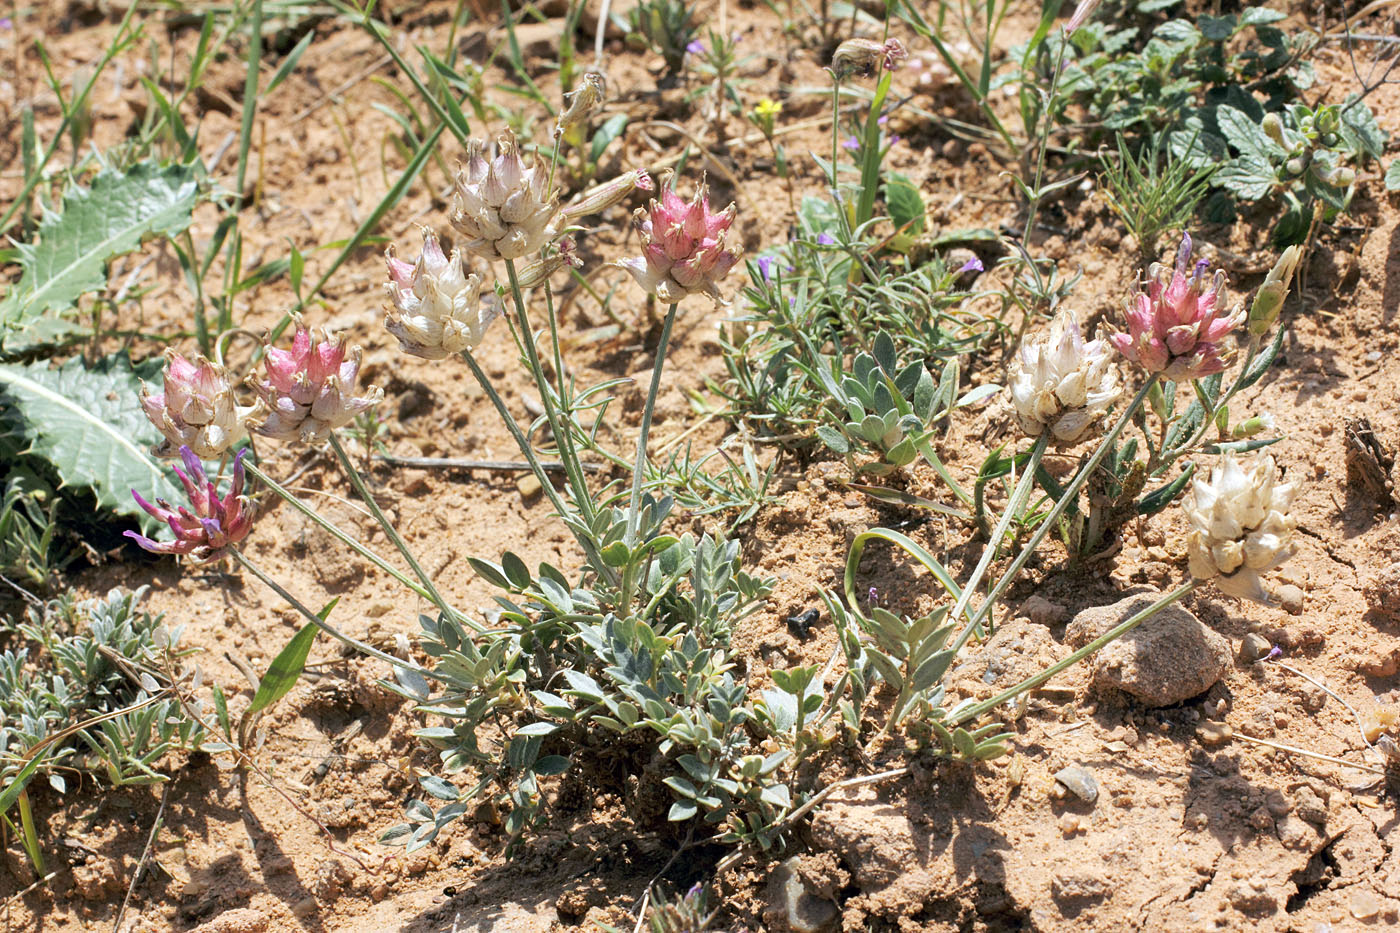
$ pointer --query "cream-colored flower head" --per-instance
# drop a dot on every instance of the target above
(502, 206)
(1240, 526)
(1063, 384)
(437, 309)
(195, 408)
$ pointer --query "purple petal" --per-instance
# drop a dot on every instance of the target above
(826, 239)
(972, 265)
(851, 144)
(695, 47)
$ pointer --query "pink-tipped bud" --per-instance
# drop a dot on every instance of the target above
(436, 307)
(502, 206)
(195, 409)
(604, 196)
(308, 391)
(211, 524)
(683, 246)
(1176, 327)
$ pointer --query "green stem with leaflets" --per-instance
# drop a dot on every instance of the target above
(1070, 495)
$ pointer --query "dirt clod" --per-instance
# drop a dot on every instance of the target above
(1167, 659)
(238, 920)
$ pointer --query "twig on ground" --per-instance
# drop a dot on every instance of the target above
(1308, 754)
(455, 463)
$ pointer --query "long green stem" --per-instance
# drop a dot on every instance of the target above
(1015, 507)
(347, 539)
(639, 472)
(563, 434)
(331, 630)
(1069, 496)
(1030, 683)
(357, 481)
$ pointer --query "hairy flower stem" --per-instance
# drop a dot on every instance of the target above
(1015, 506)
(639, 472)
(1113, 634)
(331, 630)
(358, 482)
(563, 434)
(1071, 493)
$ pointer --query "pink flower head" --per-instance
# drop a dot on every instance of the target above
(1175, 328)
(195, 408)
(214, 523)
(683, 246)
(309, 390)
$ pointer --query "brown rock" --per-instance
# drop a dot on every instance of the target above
(1167, 659)
(238, 920)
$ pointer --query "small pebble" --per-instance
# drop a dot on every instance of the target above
(1290, 598)
(529, 487)
(1079, 782)
(1363, 904)
(1254, 647)
(1214, 733)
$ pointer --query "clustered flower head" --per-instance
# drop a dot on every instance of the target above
(211, 524)
(1240, 526)
(437, 308)
(309, 390)
(1175, 328)
(502, 206)
(195, 409)
(683, 246)
(1063, 384)
(864, 57)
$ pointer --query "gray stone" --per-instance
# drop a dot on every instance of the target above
(1290, 599)
(1169, 658)
(805, 912)
(1080, 782)
(1253, 647)
(1042, 611)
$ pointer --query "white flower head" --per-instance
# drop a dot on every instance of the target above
(501, 204)
(1062, 383)
(437, 308)
(1240, 526)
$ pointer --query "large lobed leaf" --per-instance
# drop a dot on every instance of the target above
(87, 421)
(70, 257)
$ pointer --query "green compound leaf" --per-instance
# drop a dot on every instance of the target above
(70, 257)
(88, 422)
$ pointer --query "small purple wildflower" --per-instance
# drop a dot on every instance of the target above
(883, 120)
(6, 23)
(765, 267)
(695, 47)
(826, 239)
(1274, 653)
(873, 596)
(972, 265)
(215, 523)
(850, 144)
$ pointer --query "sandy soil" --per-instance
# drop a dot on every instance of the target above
(1188, 831)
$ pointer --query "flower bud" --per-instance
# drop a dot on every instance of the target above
(583, 100)
(1298, 164)
(1062, 384)
(1175, 328)
(1327, 120)
(534, 274)
(1338, 176)
(1240, 525)
(863, 57)
(1272, 125)
(195, 409)
(502, 206)
(683, 245)
(1268, 301)
(437, 309)
(307, 391)
(1082, 13)
(602, 197)
(1252, 426)
(212, 524)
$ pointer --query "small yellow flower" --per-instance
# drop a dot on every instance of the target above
(768, 108)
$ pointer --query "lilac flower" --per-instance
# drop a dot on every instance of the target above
(214, 525)
(1274, 653)
(873, 596)
(972, 265)
(851, 144)
(826, 239)
(765, 267)
(695, 47)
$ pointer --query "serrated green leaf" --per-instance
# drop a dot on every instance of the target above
(110, 218)
(1392, 176)
(88, 422)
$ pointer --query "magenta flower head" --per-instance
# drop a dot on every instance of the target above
(195, 408)
(211, 524)
(1176, 326)
(683, 246)
(309, 390)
